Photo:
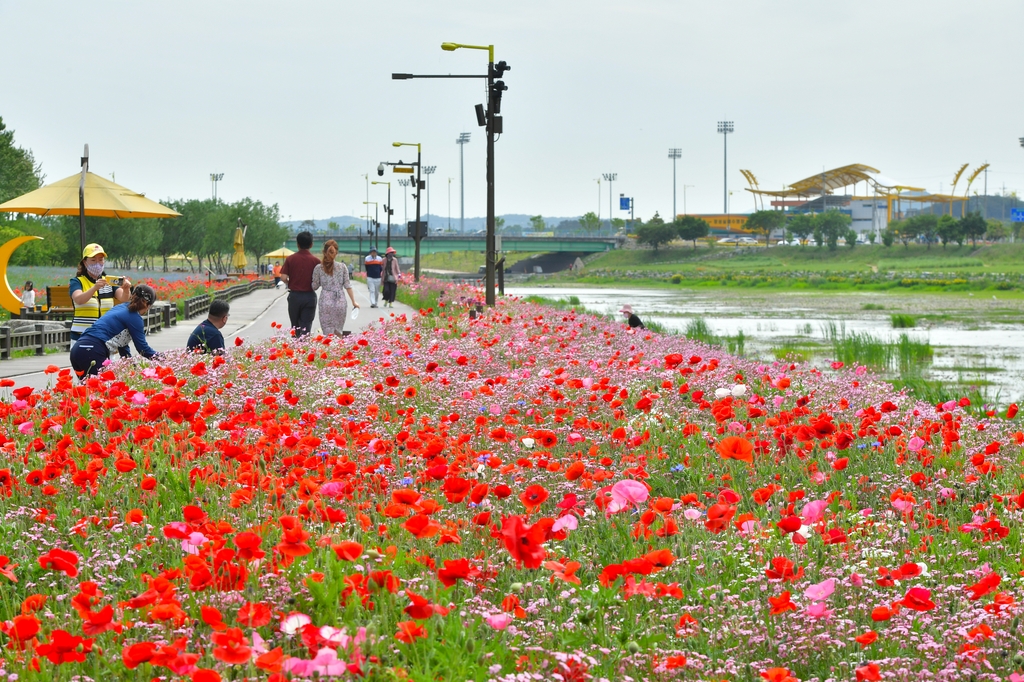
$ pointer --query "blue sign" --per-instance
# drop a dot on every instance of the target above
(1017, 215)
(624, 203)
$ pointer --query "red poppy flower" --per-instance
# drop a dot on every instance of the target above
(867, 639)
(868, 673)
(918, 599)
(533, 497)
(409, 631)
(779, 675)
(232, 646)
(781, 604)
(456, 570)
(734, 447)
(348, 550)
(784, 569)
(254, 615)
(64, 647)
(523, 542)
(60, 560)
(984, 586)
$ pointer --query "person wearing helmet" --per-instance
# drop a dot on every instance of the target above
(92, 350)
(93, 292)
(392, 273)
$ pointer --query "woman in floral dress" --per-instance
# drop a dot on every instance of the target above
(333, 277)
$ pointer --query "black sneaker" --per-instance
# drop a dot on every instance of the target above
(373, 305)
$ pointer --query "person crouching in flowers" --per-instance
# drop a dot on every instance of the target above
(631, 318)
(124, 321)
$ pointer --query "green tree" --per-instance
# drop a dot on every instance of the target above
(851, 238)
(19, 173)
(802, 225)
(832, 224)
(947, 229)
(332, 228)
(618, 224)
(655, 232)
(888, 236)
(590, 222)
(537, 223)
(264, 232)
(903, 230)
(691, 228)
(765, 222)
(499, 224)
(973, 226)
(996, 230)
(925, 226)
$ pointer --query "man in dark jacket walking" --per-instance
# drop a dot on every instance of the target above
(297, 274)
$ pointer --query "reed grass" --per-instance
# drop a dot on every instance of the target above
(903, 321)
(903, 354)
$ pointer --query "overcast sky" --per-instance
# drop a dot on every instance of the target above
(294, 102)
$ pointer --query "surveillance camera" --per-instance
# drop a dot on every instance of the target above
(380, 169)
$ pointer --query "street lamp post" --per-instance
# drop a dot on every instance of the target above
(387, 207)
(404, 182)
(375, 223)
(674, 153)
(684, 198)
(462, 141)
(214, 179)
(428, 171)
(598, 202)
(449, 204)
(367, 176)
(490, 118)
(610, 178)
(420, 186)
(725, 127)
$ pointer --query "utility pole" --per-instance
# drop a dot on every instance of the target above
(725, 128)
(674, 154)
(610, 178)
(684, 198)
(404, 182)
(449, 204)
(428, 171)
(462, 141)
(985, 205)
(599, 202)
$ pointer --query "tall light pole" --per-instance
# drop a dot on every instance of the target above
(367, 176)
(725, 127)
(462, 141)
(214, 179)
(376, 223)
(598, 202)
(420, 186)
(684, 198)
(490, 117)
(674, 154)
(449, 204)
(428, 171)
(387, 207)
(405, 182)
(610, 178)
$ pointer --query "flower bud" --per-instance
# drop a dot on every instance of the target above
(516, 588)
(632, 647)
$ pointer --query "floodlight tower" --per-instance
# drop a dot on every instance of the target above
(428, 171)
(674, 154)
(462, 141)
(725, 127)
(610, 178)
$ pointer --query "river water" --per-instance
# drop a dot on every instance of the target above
(978, 339)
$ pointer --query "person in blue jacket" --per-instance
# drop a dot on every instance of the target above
(91, 350)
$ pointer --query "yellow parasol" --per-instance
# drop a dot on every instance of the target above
(86, 194)
(283, 252)
(238, 260)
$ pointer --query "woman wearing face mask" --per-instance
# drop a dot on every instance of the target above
(92, 292)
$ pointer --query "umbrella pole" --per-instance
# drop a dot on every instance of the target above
(81, 198)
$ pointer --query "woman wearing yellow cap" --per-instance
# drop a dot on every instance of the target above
(93, 293)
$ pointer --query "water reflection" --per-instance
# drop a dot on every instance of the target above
(966, 351)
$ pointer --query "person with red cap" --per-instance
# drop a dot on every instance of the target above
(631, 318)
(391, 274)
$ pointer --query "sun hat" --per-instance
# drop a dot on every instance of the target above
(628, 309)
(91, 250)
(391, 249)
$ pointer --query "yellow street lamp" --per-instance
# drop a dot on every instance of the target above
(451, 47)
(376, 223)
(417, 232)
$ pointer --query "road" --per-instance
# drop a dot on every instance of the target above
(250, 318)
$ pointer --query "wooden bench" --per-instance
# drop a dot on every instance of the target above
(58, 300)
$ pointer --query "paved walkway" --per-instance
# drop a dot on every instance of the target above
(250, 318)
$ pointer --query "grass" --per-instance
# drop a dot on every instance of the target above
(903, 321)
(465, 261)
(872, 306)
(904, 354)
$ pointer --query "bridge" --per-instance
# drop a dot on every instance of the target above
(405, 246)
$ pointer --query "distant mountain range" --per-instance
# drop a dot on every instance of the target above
(435, 221)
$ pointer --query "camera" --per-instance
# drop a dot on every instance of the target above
(116, 281)
(380, 169)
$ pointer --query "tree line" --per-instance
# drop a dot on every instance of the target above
(204, 233)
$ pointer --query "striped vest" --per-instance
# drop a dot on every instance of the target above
(98, 305)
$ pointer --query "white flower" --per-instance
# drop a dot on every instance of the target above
(528, 442)
(722, 392)
(739, 390)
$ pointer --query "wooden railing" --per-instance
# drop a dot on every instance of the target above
(39, 339)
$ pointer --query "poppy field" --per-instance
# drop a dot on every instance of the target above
(526, 493)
